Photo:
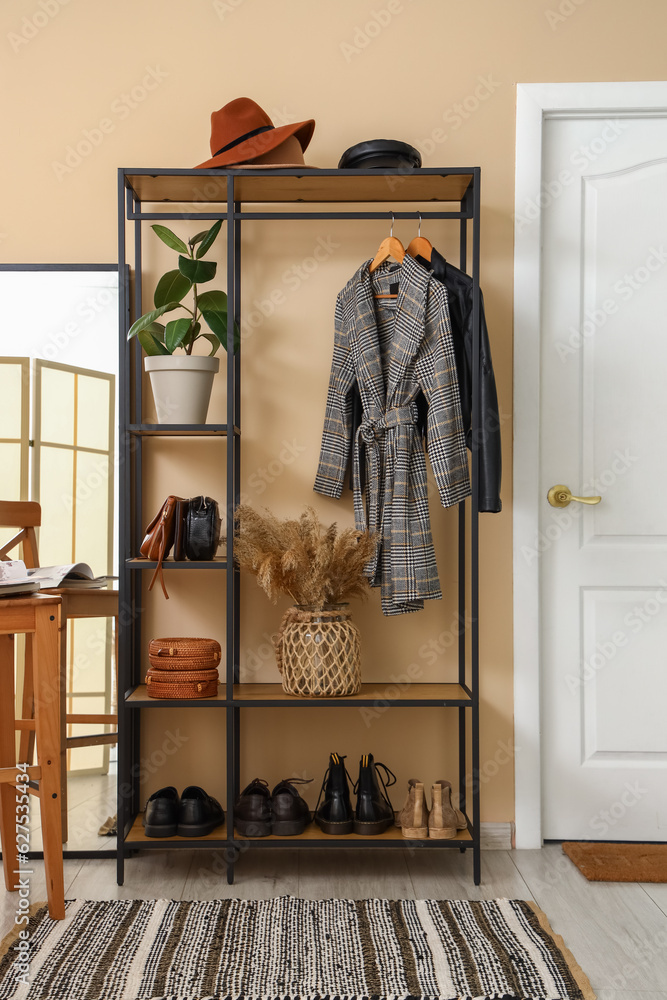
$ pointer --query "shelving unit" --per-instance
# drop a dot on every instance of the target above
(206, 195)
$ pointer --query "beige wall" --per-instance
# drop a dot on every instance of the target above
(137, 81)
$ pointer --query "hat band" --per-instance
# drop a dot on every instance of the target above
(242, 138)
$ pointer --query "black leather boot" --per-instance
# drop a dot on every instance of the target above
(374, 812)
(334, 816)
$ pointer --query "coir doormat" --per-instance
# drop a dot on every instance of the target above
(619, 862)
(293, 948)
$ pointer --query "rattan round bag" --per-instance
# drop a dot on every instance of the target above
(184, 653)
(191, 684)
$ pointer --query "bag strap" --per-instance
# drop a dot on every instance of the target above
(161, 536)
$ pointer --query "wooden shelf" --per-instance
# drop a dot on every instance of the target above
(393, 834)
(137, 835)
(413, 694)
(139, 698)
(219, 562)
(300, 185)
(273, 696)
(180, 430)
(312, 834)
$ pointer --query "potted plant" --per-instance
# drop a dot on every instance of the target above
(180, 379)
(318, 648)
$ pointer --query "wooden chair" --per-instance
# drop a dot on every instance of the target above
(75, 603)
(38, 616)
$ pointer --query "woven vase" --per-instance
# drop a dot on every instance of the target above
(318, 651)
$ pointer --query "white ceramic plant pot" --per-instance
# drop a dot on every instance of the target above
(181, 385)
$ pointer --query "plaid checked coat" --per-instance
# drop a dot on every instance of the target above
(392, 348)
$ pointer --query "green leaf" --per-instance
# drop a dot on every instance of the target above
(209, 239)
(151, 344)
(171, 239)
(213, 300)
(148, 318)
(197, 271)
(194, 240)
(216, 321)
(176, 333)
(213, 307)
(214, 341)
(172, 287)
(157, 330)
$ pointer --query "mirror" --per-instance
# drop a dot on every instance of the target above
(58, 419)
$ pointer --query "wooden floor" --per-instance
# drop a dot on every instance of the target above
(617, 932)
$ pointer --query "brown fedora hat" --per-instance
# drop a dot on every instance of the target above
(242, 131)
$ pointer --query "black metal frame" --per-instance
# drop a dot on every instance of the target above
(132, 434)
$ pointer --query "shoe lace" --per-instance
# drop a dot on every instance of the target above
(325, 779)
(386, 782)
(389, 774)
(324, 782)
(255, 783)
(286, 782)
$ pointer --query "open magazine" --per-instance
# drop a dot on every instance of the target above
(14, 574)
(14, 579)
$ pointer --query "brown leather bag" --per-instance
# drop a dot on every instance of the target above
(159, 537)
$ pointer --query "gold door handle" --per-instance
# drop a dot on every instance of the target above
(560, 496)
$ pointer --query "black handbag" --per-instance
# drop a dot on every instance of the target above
(179, 528)
(201, 528)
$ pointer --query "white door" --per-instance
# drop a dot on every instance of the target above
(603, 432)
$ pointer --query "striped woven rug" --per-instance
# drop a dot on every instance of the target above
(290, 948)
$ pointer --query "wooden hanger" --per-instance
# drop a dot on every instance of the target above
(391, 246)
(420, 246)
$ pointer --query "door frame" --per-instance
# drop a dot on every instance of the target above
(537, 102)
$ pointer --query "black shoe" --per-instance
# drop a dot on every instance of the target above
(290, 814)
(199, 813)
(335, 815)
(161, 816)
(374, 812)
(252, 810)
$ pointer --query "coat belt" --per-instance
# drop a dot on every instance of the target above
(369, 436)
(372, 428)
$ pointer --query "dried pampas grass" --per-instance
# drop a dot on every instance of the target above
(301, 558)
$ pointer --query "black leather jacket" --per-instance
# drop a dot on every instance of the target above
(459, 291)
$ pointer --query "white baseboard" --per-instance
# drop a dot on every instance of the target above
(497, 836)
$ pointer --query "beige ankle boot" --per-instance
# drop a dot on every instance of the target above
(445, 821)
(413, 817)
